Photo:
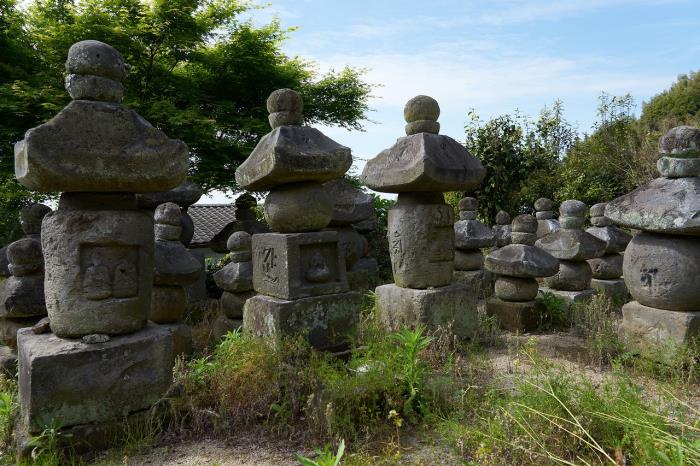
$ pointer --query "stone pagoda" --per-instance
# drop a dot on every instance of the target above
(420, 167)
(573, 247)
(470, 237)
(184, 195)
(299, 270)
(607, 269)
(351, 205)
(236, 279)
(502, 228)
(662, 263)
(546, 223)
(517, 266)
(174, 269)
(100, 362)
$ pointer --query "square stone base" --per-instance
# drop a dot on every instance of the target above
(643, 325)
(453, 305)
(570, 297)
(472, 279)
(327, 319)
(616, 289)
(77, 383)
(523, 316)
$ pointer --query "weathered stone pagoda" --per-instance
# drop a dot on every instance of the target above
(100, 362)
(502, 228)
(299, 270)
(470, 237)
(236, 279)
(607, 269)
(420, 167)
(516, 266)
(573, 247)
(544, 212)
(662, 263)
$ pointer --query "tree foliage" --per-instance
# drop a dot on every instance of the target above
(199, 72)
(681, 102)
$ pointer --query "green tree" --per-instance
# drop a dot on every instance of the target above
(521, 158)
(199, 72)
(680, 103)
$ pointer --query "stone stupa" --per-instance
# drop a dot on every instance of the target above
(607, 269)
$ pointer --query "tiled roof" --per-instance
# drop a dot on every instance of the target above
(209, 220)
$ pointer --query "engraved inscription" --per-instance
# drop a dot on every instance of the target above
(268, 261)
(109, 271)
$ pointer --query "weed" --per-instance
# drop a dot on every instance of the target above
(597, 321)
(325, 457)
(554, 312)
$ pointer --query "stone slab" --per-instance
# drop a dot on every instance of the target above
(642, 325)
(570, 297)
(298, 265)
(516, 316)
(79, 383)
(453, 306)
(327, 319)
(616, 289)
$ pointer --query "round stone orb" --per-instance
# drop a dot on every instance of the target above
(663, 271)
(572, 208)
(681, 142)
(24, 251)
(598, 210)
(421, 107)
(515, 288)
(239, 241)
(572, 276)
(543, 203)
(96, 58)
(503, 218)
(168, 214)
(525, 223)
(298, 207)
(468, 203)
(31, 216)
(285, 100)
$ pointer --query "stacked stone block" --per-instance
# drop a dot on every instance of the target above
(470, 237)
(546, 223)
(174, 269)
(607, 269)
(299, 270)
(102, 362)
(573, 247)
(517, 266)
(662, 263)
(420, 167)
(236, 279)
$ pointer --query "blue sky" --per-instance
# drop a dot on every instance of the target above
(494, 56)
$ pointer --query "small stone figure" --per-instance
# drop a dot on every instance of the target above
(662, 263)
(299, 271)
(470, 237)
(174, 269)
(420, 167)
(236, 279)
(546, 223)
(607, 269)
(516, 267)
(502, 228)
(98, 249)
(573, 247)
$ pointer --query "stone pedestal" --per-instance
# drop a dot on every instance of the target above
(643, 325)
(516, 316)
(326, 319)
(615, 288)
(472, 279)
(79, 383)
(445, 307)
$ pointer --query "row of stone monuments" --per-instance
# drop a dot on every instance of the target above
(113, 264)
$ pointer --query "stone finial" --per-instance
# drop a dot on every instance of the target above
(421, 114)
(95, 71)
(286, 108)
(572, 214)
(25, 257)
(240, 244)
(244, 205)
(31, 216)
(679, 152)
(543, 204)
(524, 230)
(468, 208)
(598, 218)
(503, 218)
(167, 218)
